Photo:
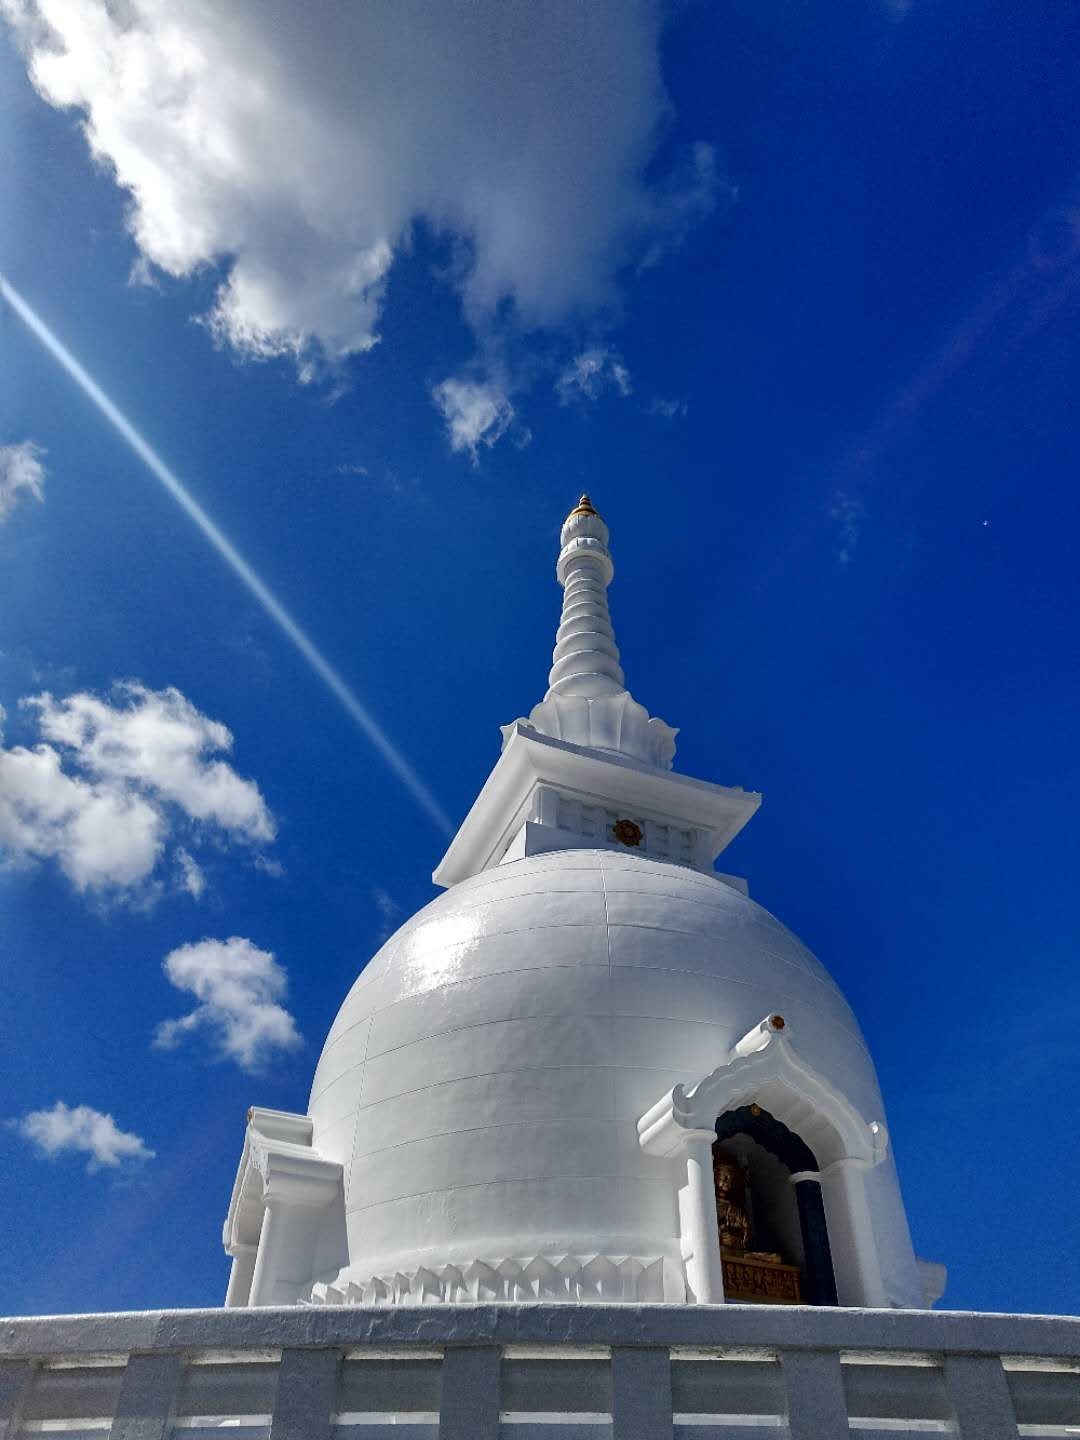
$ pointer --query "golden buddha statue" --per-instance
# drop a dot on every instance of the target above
(755, 1275)
(731, 1217)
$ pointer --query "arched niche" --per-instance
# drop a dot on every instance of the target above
(764, 1070)
(784, 1187)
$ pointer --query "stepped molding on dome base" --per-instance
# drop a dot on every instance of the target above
(600, 1279)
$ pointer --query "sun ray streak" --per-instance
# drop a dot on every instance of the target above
(232, 557)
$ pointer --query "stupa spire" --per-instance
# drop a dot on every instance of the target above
(586, 658)
(587, 702)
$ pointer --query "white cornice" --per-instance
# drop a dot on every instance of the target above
(530, 759)
(278, 1162)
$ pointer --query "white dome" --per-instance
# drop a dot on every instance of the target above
(482, 1082)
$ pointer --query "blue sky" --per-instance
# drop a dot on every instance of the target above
(823, 266)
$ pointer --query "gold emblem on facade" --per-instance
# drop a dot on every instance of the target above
(627, 833)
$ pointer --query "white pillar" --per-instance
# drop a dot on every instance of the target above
(700, 1235)
(269, 1256)
(298, 1187)
(851, 1234)
(240, 1276)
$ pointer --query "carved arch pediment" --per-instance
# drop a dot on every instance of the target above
(765, 1068)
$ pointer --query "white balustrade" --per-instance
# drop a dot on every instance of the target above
(526, 1372)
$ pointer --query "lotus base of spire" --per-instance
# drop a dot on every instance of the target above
(614, 723)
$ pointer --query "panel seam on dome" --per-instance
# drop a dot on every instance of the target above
(607, 941)
(488, 975)
(517, 1180)
(676, 1070)
(612, 1015)
(825, 983)
(603, 1121)
(736, 980)
(357, 988)
(480, 1075)
(317, 1099)
(359, 1107)
(450, 984)
(480, 1024)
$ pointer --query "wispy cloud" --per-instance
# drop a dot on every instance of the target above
(239, 989)
(80, 1130)
(682, 200)
(115, 780)
(192, 878)
(389, 912)
(22, 476)
(592, 372)
(668, 409)
(849, 513)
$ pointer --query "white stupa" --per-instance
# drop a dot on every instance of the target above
(525, 1093)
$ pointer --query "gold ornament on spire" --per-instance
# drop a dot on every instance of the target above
(584, 507)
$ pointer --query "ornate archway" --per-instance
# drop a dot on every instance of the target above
(764, 1069)
(819, 1281)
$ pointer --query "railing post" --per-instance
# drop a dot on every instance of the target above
(816, 1407)
(306, 1395)
(641, 1394)
(470, 1393)
(146, 1397)
(979, 1394)
(15, 1379)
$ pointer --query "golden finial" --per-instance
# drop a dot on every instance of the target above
(584, 507)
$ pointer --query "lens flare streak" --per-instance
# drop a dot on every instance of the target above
(232, 557)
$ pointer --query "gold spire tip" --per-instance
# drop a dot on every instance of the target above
(584, 507)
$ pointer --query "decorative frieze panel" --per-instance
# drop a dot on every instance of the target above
(760, 1279)
(599, 824)
(602, 1279)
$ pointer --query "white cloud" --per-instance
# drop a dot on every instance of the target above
(294, 147)
(592, 372)
(82, 1130)
(683, 200)
(22, 475)
(476, 413)
(159, 740)
(669, 409)
(192, 878)
(112, 782)
(389, 912)
(238, 987)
